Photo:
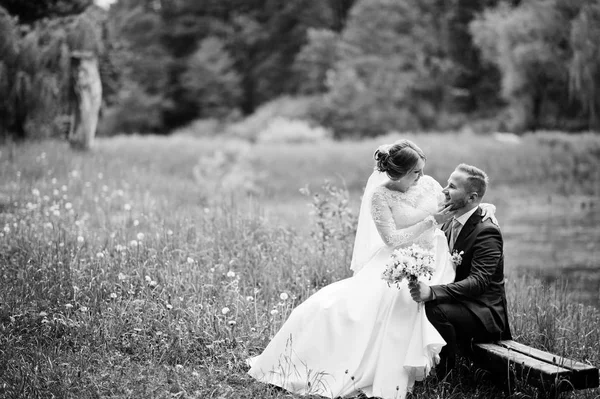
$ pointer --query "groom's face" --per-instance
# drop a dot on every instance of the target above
(455, 191)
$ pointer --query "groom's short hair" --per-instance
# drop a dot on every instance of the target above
(477, 179)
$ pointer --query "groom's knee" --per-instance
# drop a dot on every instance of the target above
(435, 313)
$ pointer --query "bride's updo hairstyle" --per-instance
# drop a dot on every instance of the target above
(398, 159)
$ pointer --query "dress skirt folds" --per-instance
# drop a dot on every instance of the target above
(356, 335)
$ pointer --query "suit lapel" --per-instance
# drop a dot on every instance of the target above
(467, 229)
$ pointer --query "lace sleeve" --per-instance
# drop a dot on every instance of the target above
(386, 227)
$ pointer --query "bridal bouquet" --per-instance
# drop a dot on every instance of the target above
(408, 263)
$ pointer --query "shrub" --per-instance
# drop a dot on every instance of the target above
(292, 131)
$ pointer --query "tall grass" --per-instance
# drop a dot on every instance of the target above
(153, 267)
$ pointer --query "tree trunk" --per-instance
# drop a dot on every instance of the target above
(86, 99)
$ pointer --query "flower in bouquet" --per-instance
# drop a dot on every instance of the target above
(409, 263)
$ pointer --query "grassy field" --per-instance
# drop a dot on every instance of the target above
(153, 266)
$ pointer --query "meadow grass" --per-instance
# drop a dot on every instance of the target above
(152, 266)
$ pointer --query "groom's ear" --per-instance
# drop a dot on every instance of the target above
(473, 196)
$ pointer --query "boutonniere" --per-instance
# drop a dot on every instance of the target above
(456, 258)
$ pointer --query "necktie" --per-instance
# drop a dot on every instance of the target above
(455, 229)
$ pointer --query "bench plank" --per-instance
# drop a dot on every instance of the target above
(536, 367)
(547, 357)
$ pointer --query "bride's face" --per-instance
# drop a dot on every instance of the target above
(412, 177)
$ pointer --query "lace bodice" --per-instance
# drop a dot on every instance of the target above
(400, 217)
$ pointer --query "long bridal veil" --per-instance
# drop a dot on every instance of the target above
(367, 241)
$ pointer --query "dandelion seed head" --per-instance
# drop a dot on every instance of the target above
(127, 207)
(113, 295)
(83, 308)
(64, 188)
(169, 306)
(231, 274)
(190, 260)
(68, 206)
(169, 232)
(274, 312)
(140, 236)
(148, 279)
(68, 306)
(249, 298)
(100, 255)
(80, 239)
(283, 296)
(231, 323)
(225, 310)
(35, 192)
(152, 283)
(43, 314)
(133, 243)
(136, 222)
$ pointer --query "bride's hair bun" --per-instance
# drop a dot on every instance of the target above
(397, 159)
(382, 156)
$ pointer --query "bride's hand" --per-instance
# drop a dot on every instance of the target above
(444, 213)
(488, 211)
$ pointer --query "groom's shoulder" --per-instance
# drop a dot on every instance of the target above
(489, 227)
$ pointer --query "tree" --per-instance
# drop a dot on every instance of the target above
(211, 81)
(546, 51)
(393, 70)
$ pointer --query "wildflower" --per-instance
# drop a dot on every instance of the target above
(83, 308)
(48, 225)
(119, 248)
(136, 222)
(249, 298)
(122, 276)
(253, 329)
(195, 374)
(274, 312)
(64, 188)
(231, 274)
(231, 323)
(68, 306)
(152, 283)
(100, 255)
(127, 207)
(206, 210)
(190, 260)
(148, 279)
(35, 192)
(100, 176)
(55, 192)
(88, 184)
(140, 236)
(169, 306)
(75, 173)
(178, 366)
(133, 243)
(68, 206)
(283, 296)
(46, 198)
(119, 193)
(43, 314)
(6, 229)
(105, 188)
(80, 239)
(169, 232)
(53, 180)
(113, 295)
(56, 213)
(225, 310)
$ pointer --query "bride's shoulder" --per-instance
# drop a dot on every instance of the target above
(429, 181)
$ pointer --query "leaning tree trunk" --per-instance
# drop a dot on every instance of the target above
(86, 90)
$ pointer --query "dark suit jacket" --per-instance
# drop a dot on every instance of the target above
(479, 282)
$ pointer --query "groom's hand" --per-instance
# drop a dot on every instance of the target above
(420, 292)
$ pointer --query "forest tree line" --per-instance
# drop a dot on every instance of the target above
(362, 67)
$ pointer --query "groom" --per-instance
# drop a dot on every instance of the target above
(473, 307)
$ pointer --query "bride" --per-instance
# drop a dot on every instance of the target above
(360, 335)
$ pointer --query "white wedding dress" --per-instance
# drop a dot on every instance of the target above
(359, 334)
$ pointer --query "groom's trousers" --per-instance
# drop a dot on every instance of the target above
(458, 326)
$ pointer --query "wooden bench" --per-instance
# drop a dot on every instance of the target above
(550, 373)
